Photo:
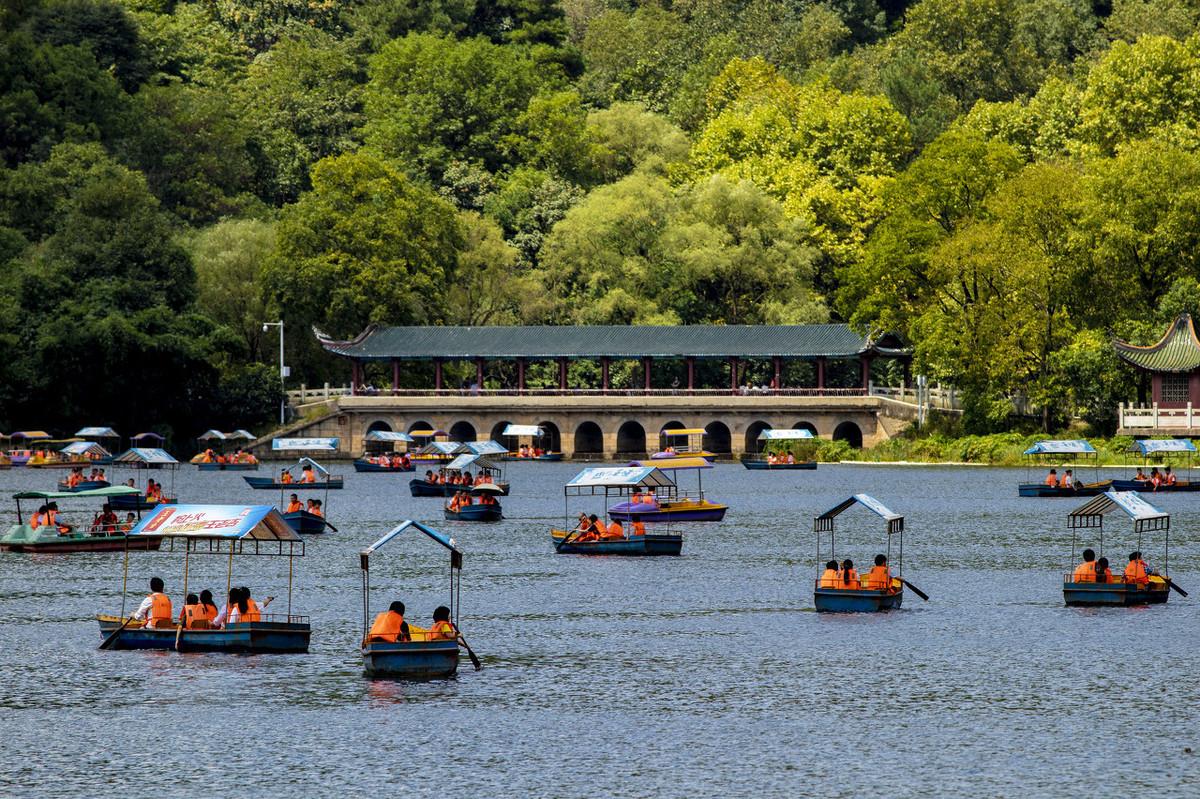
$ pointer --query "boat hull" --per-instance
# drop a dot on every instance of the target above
(367, 466)
(1085, 595)
(305, 523)
(638, 545)
(474, 513)
(549, 456)
(267, 482)
(1138, 485)
(1043, 490)
(670, 456)
(682, 511)
(424, 488)
(257, 637)
(227, 467)
(21, 538)
(780, 467)
(86, 485)
(838, 600)
(414, 660)
(134, 502)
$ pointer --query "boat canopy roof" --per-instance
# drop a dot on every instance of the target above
(226, 522)
(85, 448)
(1075, 446)
(97, 432)
(683, 431)
(310, 444)
(242, 434)
(109, 491)
(1153, 446)
(620, 477)
(146, 455)
(784, 435)
(211, 435)
(1133, 504)
(387, 435)
(310, 462)
(824, 522)
(523, 430)
(468, 459)
(455, 554)
(30, 435)
(155, 436)
(440, 448)
(426, 433)
(484, 448)
(675, 464)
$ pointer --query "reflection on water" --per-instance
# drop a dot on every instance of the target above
(697, 676)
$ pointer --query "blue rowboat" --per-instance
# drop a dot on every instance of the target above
(86, 485)
(450, 489)
(759, 465)
(304, 522)
(366, 466)
(423, 488)
(414, 660)
(649, 544)
(1114, 594)
(1139, 485)
(1043, 490)
(227, 467)
(137, 502)
(23, 538)
(268, 482)
(850, 600)
(681, 510)
(475, 513)
(256, 637)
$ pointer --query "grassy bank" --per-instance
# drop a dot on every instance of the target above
(999, 449)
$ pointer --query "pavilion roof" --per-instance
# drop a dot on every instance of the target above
(614, 341)
(1177, 351)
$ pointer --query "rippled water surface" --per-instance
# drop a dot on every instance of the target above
(704, 675)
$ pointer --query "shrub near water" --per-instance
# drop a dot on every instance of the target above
(998, 449)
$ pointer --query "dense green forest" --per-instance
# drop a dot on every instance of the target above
(1006, 183)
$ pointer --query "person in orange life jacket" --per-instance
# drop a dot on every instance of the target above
(1137, 572)
(294, 504)
(204, 613)
(390, 626)
(128, 524)
(1141, 476)
(155, 608)
(638, 528)
(40, 519)
(614, 531)
(1169, 476)
(307, 474)
(245, 609)
(1085, 572)
(597, 526)
(1103, 573)
(880, 577)
(443, 628)
(1068, 480)
(190, 603)
(1052, 478)
(849, 576)
(285, 477)
(107, 521)
(830, 577)
(314, 507)
(52, 515)
(585, 528)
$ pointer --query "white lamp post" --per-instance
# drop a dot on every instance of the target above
(283, 370)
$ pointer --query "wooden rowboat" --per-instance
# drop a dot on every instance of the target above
(649, 544)
(273, 635)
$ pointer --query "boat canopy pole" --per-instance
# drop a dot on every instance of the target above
(364, 560)
(187, 551)
(125, 577)
(229, 574)
(291, 562)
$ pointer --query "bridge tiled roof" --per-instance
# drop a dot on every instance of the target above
(613, 341)
(1177, 351)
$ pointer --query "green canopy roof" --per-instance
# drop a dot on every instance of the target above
(614, 341)
(1177, 351)
(111, 491)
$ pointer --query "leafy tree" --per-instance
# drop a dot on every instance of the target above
(484, 289)
(629, 137)
(261, 23)
(228, 259)
(639, 57)
(378, 23)
(103, 26)
(1132, 19)
(187, 44)
(527, 206)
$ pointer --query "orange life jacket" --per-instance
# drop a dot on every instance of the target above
(387, 627)
(639, 528)
(1051, 481)
(850, 579)
(38, 520)
(1085, 572)
(1135, 572)
(315, 511)
(252, 612)
(614, 531)
(829, 579)
(160, 608)
(309, 477)
(294, 506)
(442, 631)
(286, 477)
(878, 578)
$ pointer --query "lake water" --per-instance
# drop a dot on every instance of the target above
(704, 675)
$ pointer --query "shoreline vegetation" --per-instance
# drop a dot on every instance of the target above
(998, 449)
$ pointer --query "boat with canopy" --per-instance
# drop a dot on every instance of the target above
(424, 438)
(427, 656)
(305, 521)
(836, 597)
(527, 439)
(225, 461)
(683, 442)
(31, 442)
(61, 536)
(380, 454)
(653, 507)
(100, 435)
(433, 483)
(1162, 451)
(779, 451)
(296, 474)
(1062, 452)
(140, 460)
(620, 482)
(1091, 590)
(222, 531)
(475, 504)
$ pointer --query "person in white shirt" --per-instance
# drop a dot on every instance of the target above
(155, 608)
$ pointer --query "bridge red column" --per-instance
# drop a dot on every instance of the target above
(778, 372)
(865, 365)
(733, 374)
(355, 374)
(437, 373)
(395, 376)
(479, 373)
(520, 375)
(604, 374)
(691, 364)
(562, 374)
(646, 372)
(820, 373)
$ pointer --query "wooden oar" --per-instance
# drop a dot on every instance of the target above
(178, 632)
(566, 538)
(1174, 587)
(108, 642)
(331, 527)
(915, 590)
(474, 659)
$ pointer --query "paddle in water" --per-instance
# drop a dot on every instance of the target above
(474, 658)
(108, 642)
(915, 590)
(1174, 587)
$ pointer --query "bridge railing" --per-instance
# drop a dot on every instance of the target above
(933, 396)
(1153, 417)
(306, 395)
